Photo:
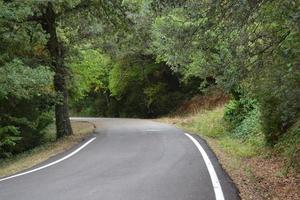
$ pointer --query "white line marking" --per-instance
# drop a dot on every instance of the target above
(212, 173)
(50, 164)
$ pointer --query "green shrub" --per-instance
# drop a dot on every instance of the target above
(279, 106)
(251, 125)
(26, 100)
(238, 110)
(9, 135)
(289, 147)
(28, 121)
(244, 117)
(232, 112)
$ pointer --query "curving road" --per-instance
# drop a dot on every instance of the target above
(126, 159)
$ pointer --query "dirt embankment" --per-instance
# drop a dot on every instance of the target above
(259, 177)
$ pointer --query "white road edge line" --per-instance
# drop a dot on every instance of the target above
(212, 173)
(52, 163)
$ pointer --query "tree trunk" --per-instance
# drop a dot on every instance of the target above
(63, 125)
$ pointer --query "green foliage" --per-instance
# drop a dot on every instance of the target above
(143, 88)
(252, 46)
(167, 34)
(26, 99)
(90, 71)
(22, 82)
(9, 135)
(142, 58)
(26, 90)
(249, 126)
(211, 124)
(152, 93)
(289, 146)
(135, 87)
(244, 117)
(123, 78)
(247, 45)
(238, 110)
(278, 93)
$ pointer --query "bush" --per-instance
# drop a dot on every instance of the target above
(26, 99)
(250, 126)
(232, 112)
(289, 147)
(9, 135)
(237, 110)
(244, 117)
(278, 94)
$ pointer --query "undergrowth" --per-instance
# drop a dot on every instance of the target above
(245, 140)
(289, 147)
(42, 152)
(211, 123)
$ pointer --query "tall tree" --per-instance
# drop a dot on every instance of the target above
(53, 17)
(48, 21)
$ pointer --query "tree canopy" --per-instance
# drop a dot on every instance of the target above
(143, 58)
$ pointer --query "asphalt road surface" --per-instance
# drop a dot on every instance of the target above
(126, 159)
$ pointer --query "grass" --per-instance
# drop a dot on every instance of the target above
(238, 147)
(39, 154)
(210, 125)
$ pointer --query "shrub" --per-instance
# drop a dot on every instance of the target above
(9, 135)
(289, 147)
(244, 116)
(26, 99)
(237, 110)
(249, 126)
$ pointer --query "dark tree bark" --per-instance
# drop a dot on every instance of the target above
(55, 48)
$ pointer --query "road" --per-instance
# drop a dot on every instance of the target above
(126, 159)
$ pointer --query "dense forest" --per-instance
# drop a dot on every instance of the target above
(144, 58)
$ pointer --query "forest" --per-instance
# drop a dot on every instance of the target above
(145, 58)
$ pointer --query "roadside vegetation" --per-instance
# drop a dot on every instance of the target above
(52, 147)
(146, 58)
(260, 172)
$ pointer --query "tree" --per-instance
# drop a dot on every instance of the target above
(48, 20)
(52, 17)
(248, 47)
(26, 90)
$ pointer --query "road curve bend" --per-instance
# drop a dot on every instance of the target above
(126, 159)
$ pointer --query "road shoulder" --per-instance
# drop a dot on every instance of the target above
(47, 152)
(230, 191)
